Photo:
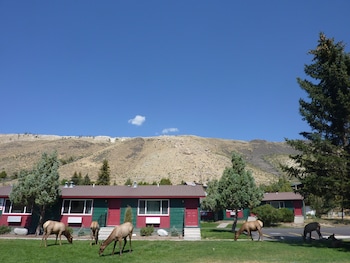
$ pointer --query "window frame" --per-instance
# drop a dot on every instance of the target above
(25, 209)
(145, 209)
(64, 211)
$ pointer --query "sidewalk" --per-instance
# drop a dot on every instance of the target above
(222, 225)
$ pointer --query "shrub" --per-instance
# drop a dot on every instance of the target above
(81, 232)
(174, 232)
(4, 229)
(3, 175)
(268, 214)
(146, 231)
(287, 215)
(128, 214)
(70, 229)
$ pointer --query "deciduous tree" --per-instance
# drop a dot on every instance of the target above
(212, 201)
(235, 190)
(282, 185)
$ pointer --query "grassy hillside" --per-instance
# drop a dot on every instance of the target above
(179, 158)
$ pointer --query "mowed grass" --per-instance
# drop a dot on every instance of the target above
(19, 250)
(209, 230)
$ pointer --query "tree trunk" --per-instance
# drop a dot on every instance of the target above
(235, 221)
(41, 219)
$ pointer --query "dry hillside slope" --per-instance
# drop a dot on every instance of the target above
(147, 159)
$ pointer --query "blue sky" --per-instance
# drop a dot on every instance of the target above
(218, 69)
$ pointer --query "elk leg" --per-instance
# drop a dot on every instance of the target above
(130, 242)
(91, 237)
(44, 237)
(124, 243)
(48, 233)
(120, 247)
(260, 235)
(60, 235)
(115, 242)
(250, 234)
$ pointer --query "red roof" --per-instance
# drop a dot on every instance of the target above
(147, 191)
(282, 196)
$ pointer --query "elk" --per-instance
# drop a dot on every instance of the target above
(57, 228)
(249, 227)
(314, 226)
(95, 229)
(118, 233)
(334, 241)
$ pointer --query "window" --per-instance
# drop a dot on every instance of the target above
(277, 204)
(153, 207)
(10, 208)
(77, 206)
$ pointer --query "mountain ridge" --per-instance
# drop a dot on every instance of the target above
(144, 159)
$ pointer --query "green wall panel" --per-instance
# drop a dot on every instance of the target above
(100, 211)
(177, 214)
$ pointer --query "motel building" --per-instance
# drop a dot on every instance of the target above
(162, 206)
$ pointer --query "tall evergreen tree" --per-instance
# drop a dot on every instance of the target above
(86, 180)
(104, 174)
(77, 179)
(40, 187)
(322, 165)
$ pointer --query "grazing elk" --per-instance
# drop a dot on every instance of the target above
(249, 227)
(57, 228)
(118, 234)
(95, 229)
(314, 226)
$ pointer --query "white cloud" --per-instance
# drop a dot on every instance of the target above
(138, 120)
(168, 130)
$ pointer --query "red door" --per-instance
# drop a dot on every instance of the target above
(113, 217)
(298, 208)
(191, 212)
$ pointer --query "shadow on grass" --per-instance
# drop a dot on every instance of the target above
(317, 243)
(116, 253)
(54, 244)
(221, 230)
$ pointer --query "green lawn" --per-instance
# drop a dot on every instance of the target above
(16, 250)
(209, 230)
(217, 245)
